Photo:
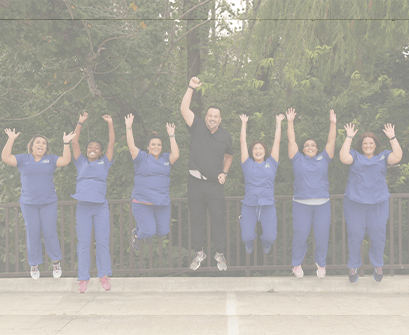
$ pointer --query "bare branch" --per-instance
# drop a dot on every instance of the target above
(115, 38)
(85, 23)
(193, 8)
(69, 10)
(116, 66)
(195, 27)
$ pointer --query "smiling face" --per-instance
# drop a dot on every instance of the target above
(39, 147)
(155, 147)
(310, 148)
(94, 151)
(213, 119)
(259, 153)
(368, 146)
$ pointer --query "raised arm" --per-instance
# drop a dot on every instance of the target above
(188, 115)
(396, 155)
(275, 151)
(174, 149)
(111, 137)
(65, 159)
(243, 138)
(6, 155)
(75, 144)
(292, 145)
(129, 136)
(330, 147)
(344, 154)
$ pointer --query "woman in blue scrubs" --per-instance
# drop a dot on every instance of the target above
(366, 198)
(311, 203)
(92, 207)
(259, 170)
(150, 194)
(38, 199)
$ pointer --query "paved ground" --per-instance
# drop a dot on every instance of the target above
(139, 306)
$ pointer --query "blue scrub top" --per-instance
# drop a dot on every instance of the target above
(37, 179)
(311, 176)
(151, 178)
(367, 178)
(259, 181)
(92, 179)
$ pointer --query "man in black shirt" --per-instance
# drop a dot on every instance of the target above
(210, 158)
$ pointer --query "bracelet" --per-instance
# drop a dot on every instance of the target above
(350, 136)
(224, 173)
(80, 123)
(66, 143)
(392, 138)
(191, 87)
(129, 128)
(171, 135)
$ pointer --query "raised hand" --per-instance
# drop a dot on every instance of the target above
(107, 118)
(244, 118)
(11, 134)
(291, 114)
(170, 127)
(349, 127)
(195, 82)
(69, 137)
(389, 130)
(332, 116)
(280, 117)
(83, 117)
(129, 120)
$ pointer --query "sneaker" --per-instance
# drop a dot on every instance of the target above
(249, 247)
(378, 274)
(298, 272)
(82, 286)
(321, 271)
(35, 272)
(267, 249)
(221, 261)
(136, 243)
(199, 257)
(57, 272)
(105, 283)
(353, 275)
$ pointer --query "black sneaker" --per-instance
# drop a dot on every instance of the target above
(378, 274)
(353, 275)
(136, 243)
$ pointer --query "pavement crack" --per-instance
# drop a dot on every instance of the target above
(64, 326)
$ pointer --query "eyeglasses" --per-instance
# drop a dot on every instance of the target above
(310, 146)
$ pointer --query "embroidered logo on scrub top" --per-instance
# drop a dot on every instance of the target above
(166, 163)
(267, 165)
(101, 162)
(319, 157)
(382, 157)
(46, 161)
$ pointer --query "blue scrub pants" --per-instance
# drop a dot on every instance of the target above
(268, 219)
(151, 220)
(320, 218)
(93, 214)
(41, 218)
(361, 219)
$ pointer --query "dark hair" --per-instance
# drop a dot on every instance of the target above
(30, 144)
(152, 136)
(252, 147)
(307, 139)
(215, 107)
(100, 144)
(358, 145)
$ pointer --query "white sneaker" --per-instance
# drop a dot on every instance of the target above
(321, 271)
(221, 261)
(199, 257)
(35, 272)
(298, 272)
(57, 272)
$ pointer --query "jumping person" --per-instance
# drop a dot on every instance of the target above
(259, 170)
(150, 194)
(92, 207)
(311, 203)
(38, 199)
(366, 198)
(210, 158)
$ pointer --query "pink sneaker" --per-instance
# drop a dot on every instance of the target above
(321, 271)
(82, 286)
(298, 272)
(105, 283)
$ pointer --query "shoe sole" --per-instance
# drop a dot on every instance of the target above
(378, 281)
(83, 292)
(223, 269)
(353, 282)
(317, 272)
(198, 266)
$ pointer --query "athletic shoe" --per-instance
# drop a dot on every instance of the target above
(378, 274)
(105, 283)
(199, 257)
(249, 247)
(321, 271)
(353, 275)
(57, 272)
(35, 272)
(267, 249)
(221, 261)
(298, 272)
(82, 286)
(136, 243)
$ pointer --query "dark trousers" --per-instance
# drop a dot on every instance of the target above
(206, 196)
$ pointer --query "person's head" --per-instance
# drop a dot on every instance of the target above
(38, 146)
(213, 118)
(310, 147)
(94, 150)
(368, 144)
(154, 145)
(258, 151)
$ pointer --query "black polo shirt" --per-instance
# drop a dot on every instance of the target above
(207, 150)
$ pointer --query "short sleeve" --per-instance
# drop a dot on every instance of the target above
(195, 124)
(296, 157)
(272, 161)
(326, 156)
(386, 153)
(79, 161)
(353, 153)
(54, 159)
(107, 162)
(140, 157)
(21, 158)
(166, 156)
(246, 165)
(229, 146)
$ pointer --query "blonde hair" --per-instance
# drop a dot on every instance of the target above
(30, 144)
